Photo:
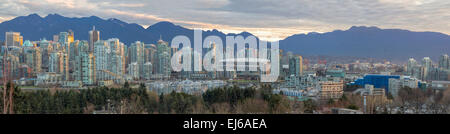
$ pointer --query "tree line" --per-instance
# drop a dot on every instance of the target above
(140, 100)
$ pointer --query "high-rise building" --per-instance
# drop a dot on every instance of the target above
(71, 36)
(55, 38)
(85, 64)
(410, 66)
(63, 38)
(413, 69)
(32, 58)
(427, 63)
(426, 68)
(20, 40)
(65, 66)
(444, 62)
(149, 53)
(163, 66)
(13, 39)
(109, 60)
(148, 70)
(45, 49)
(94, 36)
(56, 62)
(73, 52)
(101, 52)
(136, 52)
(56, 46)
(296, 65)
(116, 57)
(133, 70)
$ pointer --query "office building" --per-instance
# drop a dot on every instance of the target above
(13, 39)
(94, 36)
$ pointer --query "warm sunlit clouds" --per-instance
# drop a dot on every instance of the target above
(268, 19)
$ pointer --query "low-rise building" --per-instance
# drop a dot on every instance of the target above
(370, 90)
(72, 84)
(440, 85)
(105, 83)
(48, 78)
(331, 90)
(404, 81)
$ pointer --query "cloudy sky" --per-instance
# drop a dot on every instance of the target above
(268, 19)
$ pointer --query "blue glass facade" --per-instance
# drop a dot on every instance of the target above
(378, 81)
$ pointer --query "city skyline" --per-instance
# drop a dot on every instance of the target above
(390, 44)
(267, 20)
(64, 45)
(223, 65)
(70, 64)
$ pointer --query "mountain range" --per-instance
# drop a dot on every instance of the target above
(358, 41)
